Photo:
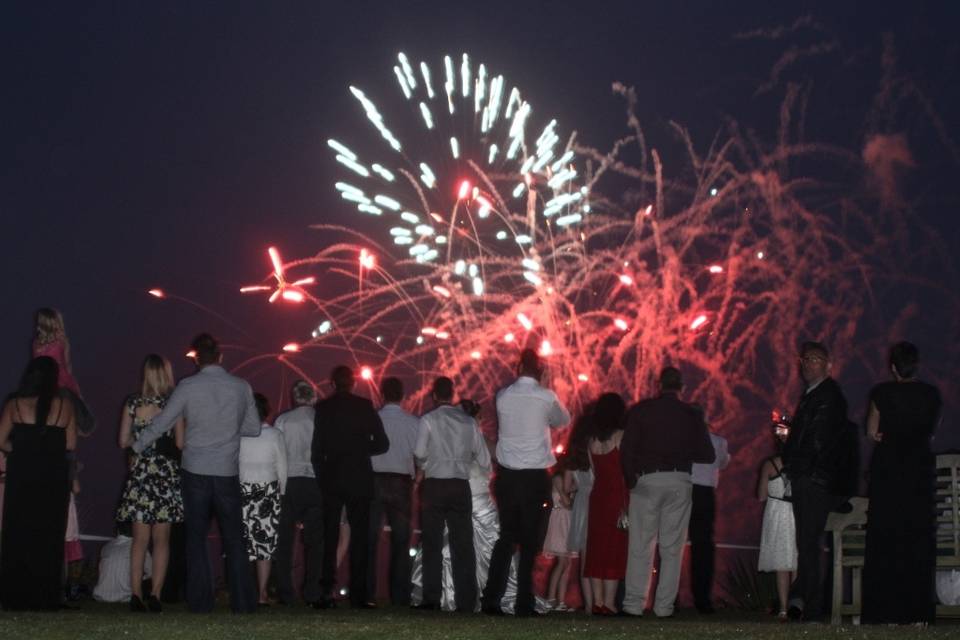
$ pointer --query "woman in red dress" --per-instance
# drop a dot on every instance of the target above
(606, 561)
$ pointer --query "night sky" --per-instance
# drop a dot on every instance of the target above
(169, 144)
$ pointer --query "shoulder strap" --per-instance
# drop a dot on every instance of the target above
(776, 467)
(16, 406)
(59, 410)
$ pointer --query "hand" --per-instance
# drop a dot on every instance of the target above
(878, 437)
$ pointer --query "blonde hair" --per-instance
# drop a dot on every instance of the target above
(49, 326)
(157, 377)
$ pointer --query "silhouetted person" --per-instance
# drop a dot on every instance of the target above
(347, 431)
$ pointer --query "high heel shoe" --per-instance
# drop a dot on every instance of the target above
(153, 604)
(136, 605)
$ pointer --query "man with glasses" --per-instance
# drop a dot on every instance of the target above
(820, 460)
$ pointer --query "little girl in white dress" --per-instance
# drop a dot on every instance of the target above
(778, 538)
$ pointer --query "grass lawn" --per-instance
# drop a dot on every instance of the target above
(114, 622)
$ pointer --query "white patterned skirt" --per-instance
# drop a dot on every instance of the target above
(261, 517)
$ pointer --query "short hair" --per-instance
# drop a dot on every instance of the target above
(670, 379)
(392, 389)
(263, 405)
(816, 348)
(529, 362)
(207, 349)
(608, 416)
(302, 393)
(342, 378)
(443, 388)
(905, 359)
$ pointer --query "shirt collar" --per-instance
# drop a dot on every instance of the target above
(815, 384)
(211, 368)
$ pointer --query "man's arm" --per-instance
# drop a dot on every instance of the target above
(702, 449)
(423, 435)
(379, 442)
(627, 446)
(558, 415)
(723, 454)
(164, 421)
(480, 451)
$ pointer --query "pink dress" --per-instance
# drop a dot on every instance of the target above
(57, 351)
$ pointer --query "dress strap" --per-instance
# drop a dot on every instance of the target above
(776, 467)
(16, 406)
(59, 411)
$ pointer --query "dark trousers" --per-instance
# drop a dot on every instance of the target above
(702, 514)
(302, 502)
(392, 494)
(358, 515)
(523, 500)
(448, 502)
(811, 506)
(220, 495)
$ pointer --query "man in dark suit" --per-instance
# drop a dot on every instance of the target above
(820, 459)
(347, 431)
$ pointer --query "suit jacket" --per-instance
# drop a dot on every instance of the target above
(823, 444)
(661, 434)
(347, 431)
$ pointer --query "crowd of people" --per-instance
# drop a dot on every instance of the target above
(631, 483)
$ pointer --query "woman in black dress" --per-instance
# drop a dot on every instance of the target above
(900, 555)
(37, 428)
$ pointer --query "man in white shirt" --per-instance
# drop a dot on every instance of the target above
(393, 473)
(702, 515)
(526, 412)
(218, 409)
(302, 501)
(448, 443)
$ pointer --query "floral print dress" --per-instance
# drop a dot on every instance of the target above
(152, 493)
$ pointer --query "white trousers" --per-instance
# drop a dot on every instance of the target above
(659, 514)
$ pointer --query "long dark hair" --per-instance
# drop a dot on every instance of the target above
(39, 381)
(575, 457)
(608, 415)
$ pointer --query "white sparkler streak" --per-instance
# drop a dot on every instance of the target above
(496, 97)
(533, 278)
(353, 166)
(428, 256)
(459, 267)
(345, 187)
(519, 121)
(369, 208)
(485, 120)
(523, 239)
(341, 149)
(527, 164)
(502, 235)
(484, 210)
(425, 72)
(355, 197)
(403, 240)
(441, 240)
(449, 86)
(478, 286)
(412, 218)
(542, 162)
(524, 321)
(481, 87)
(530, 265)
(512, 100)
(454, 148)
(407, 70)
(514, 146)
(558, 179)
(403, 83)
(564, 159)
(417, 249)
(427, 117)
(399, 231)
(387, 202)
(383, 172)
(473, 271)
(375, 118)
(493, 154)
(428, 176)
(425, 230)
(563, 221)
(465, 75)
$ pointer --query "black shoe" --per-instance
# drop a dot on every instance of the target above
(325, 603)
(627, 614)
(153, 604)
(794, 613)
(527, 613)
(136, 605)
(364, 605)
(706, 609)
(427, 606)
(490, 610)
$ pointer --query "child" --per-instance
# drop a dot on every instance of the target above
(778, 538)
(555, 545)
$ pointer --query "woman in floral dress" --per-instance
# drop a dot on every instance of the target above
(151, 498)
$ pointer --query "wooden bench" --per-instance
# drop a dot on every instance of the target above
(849, 532)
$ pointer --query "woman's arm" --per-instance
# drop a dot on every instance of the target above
(6, 426)
(126, 420)
(569, 482)
(180, 433)
(873, 423)
(70, 426)
(765, 471)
